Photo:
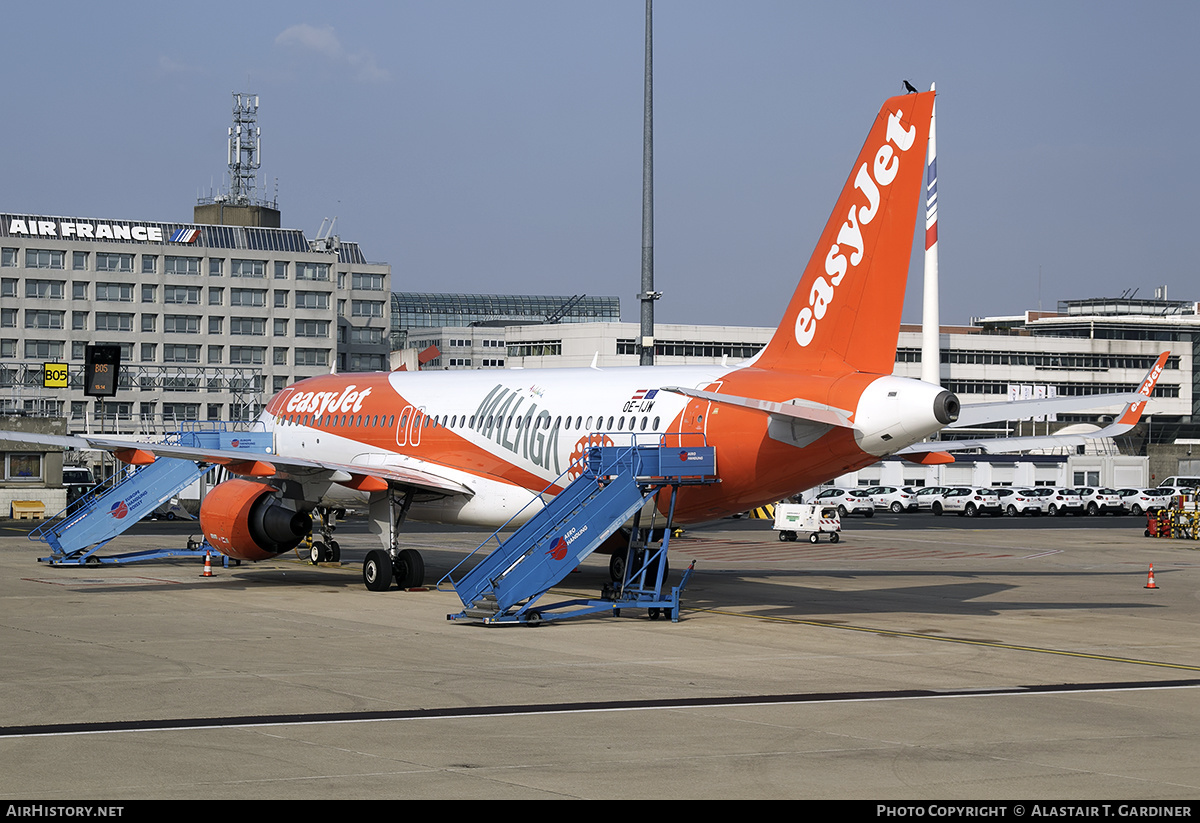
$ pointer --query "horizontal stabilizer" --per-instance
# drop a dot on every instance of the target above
(802, 409)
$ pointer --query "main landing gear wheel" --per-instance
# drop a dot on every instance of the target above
(377, 570)
(410, 569)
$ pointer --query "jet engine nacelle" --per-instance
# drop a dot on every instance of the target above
(245, 520)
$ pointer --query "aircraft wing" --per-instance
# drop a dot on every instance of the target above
(1126, 421)
(249, 464)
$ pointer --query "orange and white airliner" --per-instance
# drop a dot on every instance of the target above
(476, 447)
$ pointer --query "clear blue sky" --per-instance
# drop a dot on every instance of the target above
(483, 145)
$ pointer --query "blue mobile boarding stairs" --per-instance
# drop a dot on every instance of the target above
(85, 526)
(613, 485)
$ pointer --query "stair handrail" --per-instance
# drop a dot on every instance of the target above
(593, 441)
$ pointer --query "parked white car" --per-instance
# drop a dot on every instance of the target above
(1100, 501)
(970, 502)
(847, 501)
(1140, 501)
(928, 495)
(1020, 501)
(1065, 501)
(893, 498)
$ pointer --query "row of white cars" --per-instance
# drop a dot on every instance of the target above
(970, 501)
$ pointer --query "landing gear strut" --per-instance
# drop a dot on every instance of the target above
(381, 566)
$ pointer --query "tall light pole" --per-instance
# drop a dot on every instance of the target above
(648, 295)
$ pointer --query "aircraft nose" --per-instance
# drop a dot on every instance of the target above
(946, 407)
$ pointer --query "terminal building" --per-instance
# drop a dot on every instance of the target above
(211, 320)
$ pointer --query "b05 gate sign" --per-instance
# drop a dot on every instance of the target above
(54, 375)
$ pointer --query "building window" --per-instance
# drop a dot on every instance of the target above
(47, 259)
(312, 300)
(253, 326)
(281, 328)
(8, 318)
(43, 319)
(216, 266)
(214, 325)
(149, 294)
(174, 264)
(79, 261)
(181, 324)
(22, 467)
(181, 411)
(366, 336)
(312, 328)
(312, 357)
(366, 308)
(8, 287)
(312, 271)
(280, 356)
(109, 261)
(247, 297)
(247, 355)
(215, 296)
(43, 350)
(248, 268)
(8, 258)
(367, 282)
(189, 295)
(149, 264)
(148, 352)
(114, 292)
(79, 321)
(8, 348)
(181, 354)
(281, 270)
(149, 322)
(113, 321)
(50, 289)
(281, 299)
(215, 354)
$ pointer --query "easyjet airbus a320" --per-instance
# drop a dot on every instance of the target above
(476, 447)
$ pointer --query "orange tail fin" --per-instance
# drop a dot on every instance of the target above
(845, 314)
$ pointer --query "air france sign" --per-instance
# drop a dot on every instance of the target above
(18, 227)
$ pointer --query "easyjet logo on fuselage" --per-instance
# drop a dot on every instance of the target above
(321, 402)
(868, 182)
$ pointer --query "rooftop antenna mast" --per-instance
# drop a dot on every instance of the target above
(245, 149)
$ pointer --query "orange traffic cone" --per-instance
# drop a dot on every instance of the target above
(1150, 579)
(207, 565)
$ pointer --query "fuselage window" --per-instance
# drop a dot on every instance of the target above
(589, 422)
(645, 423)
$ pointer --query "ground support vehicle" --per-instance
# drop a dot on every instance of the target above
(794, 519)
